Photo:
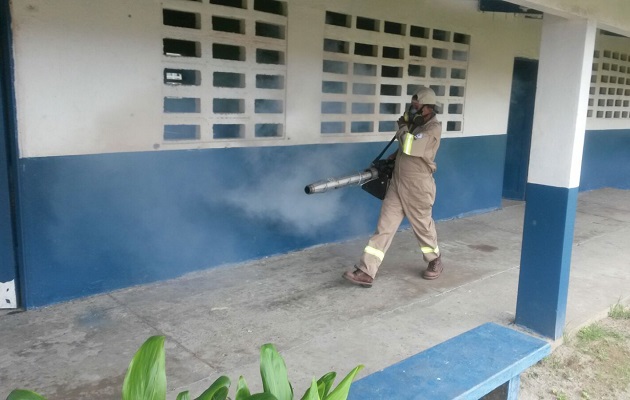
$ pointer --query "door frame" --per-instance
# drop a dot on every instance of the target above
(519, 129)
(9, 157)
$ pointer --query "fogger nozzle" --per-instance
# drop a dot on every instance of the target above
(335, 183)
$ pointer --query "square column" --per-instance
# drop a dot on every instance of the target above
(566, 57)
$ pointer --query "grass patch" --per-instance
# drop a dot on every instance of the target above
(566, 338)
(592, 364)
(595, 332)
(618, 311)
(552, 362)
(598, 341)
(559, 395)
(610, 351)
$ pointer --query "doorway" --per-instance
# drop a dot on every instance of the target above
(519, 132)
(8, 264)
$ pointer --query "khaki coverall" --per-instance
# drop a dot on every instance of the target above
(411, 194)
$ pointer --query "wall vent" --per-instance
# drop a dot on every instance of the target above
(224, 71)
(368, 77)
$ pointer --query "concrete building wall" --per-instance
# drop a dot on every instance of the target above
(90, 76)
(149, 150)
(605, 157)
(611, 14)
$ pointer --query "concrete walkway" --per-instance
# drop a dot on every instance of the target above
(216, 320)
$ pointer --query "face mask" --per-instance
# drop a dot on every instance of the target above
(412, 110)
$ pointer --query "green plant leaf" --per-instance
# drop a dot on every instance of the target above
(273, 372)
(242, 391)
(341, 391)
(183, 396)
(146, 375)
(262, 396)
(21, 394)
(221, 394)
(312, 393)
(325, 383)
(221, 382)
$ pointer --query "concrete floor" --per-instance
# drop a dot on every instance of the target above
(215, 321)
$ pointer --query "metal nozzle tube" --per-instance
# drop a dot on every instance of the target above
(336, 183)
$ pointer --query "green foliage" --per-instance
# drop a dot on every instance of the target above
(273, 372)
(183, 396)
(341, 391)
(324, 384)
(559, 395)
(146, 380)
(242, 391)
(312, 393)
(218, 390)
(146, 375)
(20, 394)
(596, 332)
(618, 311)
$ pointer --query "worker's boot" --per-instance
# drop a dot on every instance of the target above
(359, 277)
(434, 269)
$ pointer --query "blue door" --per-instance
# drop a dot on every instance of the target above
(519, 133)
(8, 265)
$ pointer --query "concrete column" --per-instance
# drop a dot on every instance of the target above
(566, 57)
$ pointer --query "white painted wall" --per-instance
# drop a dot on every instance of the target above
(613, 52)
(89, 73)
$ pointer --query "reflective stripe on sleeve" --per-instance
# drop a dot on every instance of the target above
(375, 252)
(407, 144)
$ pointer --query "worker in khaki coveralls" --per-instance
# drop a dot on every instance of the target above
(411, 192)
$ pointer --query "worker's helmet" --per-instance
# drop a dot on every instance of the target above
(426, 96)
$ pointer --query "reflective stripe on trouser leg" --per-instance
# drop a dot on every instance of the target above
(426, 250)
(375, 252)
(424, 229)
(388, 222)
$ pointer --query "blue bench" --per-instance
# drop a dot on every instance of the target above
(486, 360)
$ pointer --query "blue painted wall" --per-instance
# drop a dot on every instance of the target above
(469, 177)
(606, 160)
(92, 224)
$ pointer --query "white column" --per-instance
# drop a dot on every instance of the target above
(566, 57)
(564, 75)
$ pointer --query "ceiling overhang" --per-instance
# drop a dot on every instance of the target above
(505, 7)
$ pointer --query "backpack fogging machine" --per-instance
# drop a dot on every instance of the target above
(374, 179)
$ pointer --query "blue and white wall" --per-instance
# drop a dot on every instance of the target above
(605, 158)
(148, 150)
